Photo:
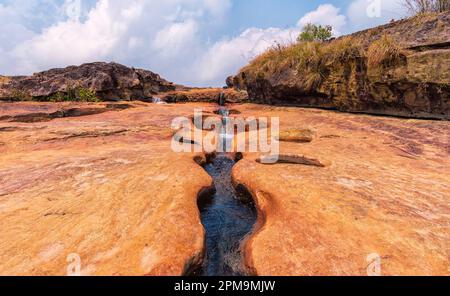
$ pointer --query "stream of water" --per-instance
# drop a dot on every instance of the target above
(228, 217)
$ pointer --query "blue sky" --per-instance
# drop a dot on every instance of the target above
(268, 13)
(194, 42)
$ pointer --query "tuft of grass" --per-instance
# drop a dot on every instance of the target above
(21, 95)
(269, 62)
(343, 50)
(311, 60)
(4, 79)
(382, 51)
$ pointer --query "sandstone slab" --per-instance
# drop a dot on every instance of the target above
(384, 191)
(105, 187)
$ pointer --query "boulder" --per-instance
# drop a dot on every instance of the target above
(109, 81)
(296, 135)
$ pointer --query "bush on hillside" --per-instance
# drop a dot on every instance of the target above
(315, 33)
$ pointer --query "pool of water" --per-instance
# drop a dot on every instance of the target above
(228, 217)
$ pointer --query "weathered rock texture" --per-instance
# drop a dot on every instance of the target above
(108, 187)
(209, 95)
(110, 81)
(104, 186)
(383, 189)
(416, 83)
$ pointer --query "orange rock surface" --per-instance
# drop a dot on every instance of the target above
(385, 191)
(108, 187)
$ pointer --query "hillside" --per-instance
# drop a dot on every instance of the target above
(402, 68)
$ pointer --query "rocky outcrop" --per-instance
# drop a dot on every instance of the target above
(412, 80)
(107, 81)
(209, 95)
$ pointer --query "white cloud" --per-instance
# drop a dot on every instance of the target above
(327, 15)
(227, 56)
(169, 37)
(363, 14)
(161, 36)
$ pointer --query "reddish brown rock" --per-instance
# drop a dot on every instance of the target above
(104, 186)
(209, 95)
(109, 81)
(107, 187)
(384, 190)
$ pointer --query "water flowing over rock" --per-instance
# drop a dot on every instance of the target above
(106, 186)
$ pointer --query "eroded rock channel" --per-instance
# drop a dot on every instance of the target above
(228, 215)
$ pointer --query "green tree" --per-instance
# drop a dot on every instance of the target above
(315, 33)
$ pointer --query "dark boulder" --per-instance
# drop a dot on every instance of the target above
(108, 81)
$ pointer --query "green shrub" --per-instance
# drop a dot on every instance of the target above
(315, 33)
(87, 95)
(76, 94)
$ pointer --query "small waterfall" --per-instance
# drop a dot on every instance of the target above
(157, 100)
(221, 100)
(227, 132)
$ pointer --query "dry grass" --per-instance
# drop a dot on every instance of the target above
(382, 51)
(311, 60)
(4, 79)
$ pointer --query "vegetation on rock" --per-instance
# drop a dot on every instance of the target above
(77, 94)
(87, 82)
(401, 68)
(315, 33)
(383, 50)
(311, 60)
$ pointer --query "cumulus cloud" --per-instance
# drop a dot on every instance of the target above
(327, 15)
(162, 36)
(169, 37)
(363, 14)
(227, 56)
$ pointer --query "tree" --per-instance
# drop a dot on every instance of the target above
(424, 6)
(315, 33)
